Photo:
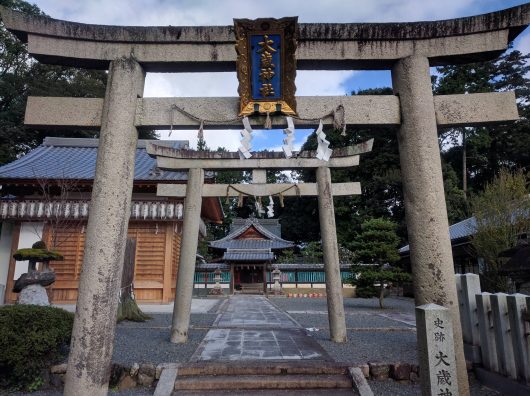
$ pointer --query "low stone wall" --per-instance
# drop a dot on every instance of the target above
(125, 377)
(121, 376)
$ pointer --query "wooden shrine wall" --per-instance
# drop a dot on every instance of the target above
(156, 261)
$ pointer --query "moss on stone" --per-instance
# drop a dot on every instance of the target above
(37, 255)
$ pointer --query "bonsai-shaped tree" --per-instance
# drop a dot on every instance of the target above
(376, 246)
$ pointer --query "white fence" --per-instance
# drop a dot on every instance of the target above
(79, 209)
(496, 328)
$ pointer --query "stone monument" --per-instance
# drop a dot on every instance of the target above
(31, 285)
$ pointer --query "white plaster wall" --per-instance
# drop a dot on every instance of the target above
(6, 236)
(30, 232)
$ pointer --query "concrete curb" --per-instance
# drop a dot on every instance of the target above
(166, 383)
(360, 385)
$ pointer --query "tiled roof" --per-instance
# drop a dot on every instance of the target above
(230, 241)
(271, 225)
(248, 256)
(462, 229)
(68, 158)
(307, 267)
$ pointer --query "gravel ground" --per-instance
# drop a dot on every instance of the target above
(358, 321)
(372, 346)
(149, 341)
(392, 304)
(394, 388)
(397, 344)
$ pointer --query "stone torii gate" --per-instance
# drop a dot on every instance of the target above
(195, 162)
(408, 49)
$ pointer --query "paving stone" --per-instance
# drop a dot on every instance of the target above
(235, 334)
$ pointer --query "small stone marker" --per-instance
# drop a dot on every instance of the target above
(436, 351)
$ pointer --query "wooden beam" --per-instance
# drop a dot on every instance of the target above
(259, 190)
(168, 264)
(369, 110)
(9, 296)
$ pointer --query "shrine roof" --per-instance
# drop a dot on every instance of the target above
(270, 239)
(249, 255)
(462, 229)
(72, 158)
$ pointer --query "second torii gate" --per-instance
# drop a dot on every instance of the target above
(195, 162)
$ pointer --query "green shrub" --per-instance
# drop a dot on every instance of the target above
(366, 291)
(31, 338)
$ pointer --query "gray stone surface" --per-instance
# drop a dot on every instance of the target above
(320, 46)
(33, 295)
(468, 285)
(188, 251)
(359, 382)
(149, 341)
(436, 350)
(424, 198)
(503, 341)
(250, 328)
(259, 190)
(166, 383)
(451, 110)
(252, 312)
(488, 344)
(252, 163)
(330, 249)
(518, 305)
(509, 18)
(94, 325)
(42, 278)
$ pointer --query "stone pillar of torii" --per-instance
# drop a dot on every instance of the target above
(408, 49)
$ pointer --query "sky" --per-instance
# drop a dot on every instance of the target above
(215, 12)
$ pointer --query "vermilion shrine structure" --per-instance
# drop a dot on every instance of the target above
(408, 49)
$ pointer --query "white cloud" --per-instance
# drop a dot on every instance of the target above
(523, 43)
(229, 139)
(214, 12)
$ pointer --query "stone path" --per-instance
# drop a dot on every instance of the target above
(251, 328)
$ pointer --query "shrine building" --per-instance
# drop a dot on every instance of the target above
(46, 195)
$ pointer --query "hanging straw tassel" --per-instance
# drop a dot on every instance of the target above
(240, 201)
(268, 122)
(338, 119)
(200, 133)
(172, 116)
(281, 199)
(227, 200)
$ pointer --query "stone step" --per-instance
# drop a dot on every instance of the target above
(269, 392)
(261, 368)
(242, 382)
